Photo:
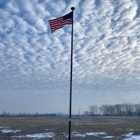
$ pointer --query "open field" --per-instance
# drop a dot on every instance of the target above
(56, 128)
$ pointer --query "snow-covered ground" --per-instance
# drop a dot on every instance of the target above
(76, 134)
(10, 131)
(95, 133)
(6, 130)
(104, 135)
(2, 127)
(48, 134)
(37, 136)
(130, 136)
(108, 137)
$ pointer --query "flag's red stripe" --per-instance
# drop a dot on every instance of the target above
(59, 23)
(62, 24)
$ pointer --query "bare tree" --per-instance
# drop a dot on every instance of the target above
(126, 109)
(93, 109)
(137, 107)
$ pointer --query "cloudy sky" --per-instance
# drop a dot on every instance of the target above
(35, 64)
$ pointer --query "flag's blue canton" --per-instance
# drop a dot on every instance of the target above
(70, 15)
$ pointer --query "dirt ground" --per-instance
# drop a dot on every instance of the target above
(112, 128)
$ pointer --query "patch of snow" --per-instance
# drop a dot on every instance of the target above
(95, 133)
(9, 131)
(65, 135)
(37, 136)
(108, 137)
(79, 135)
(133, 138)
(76, 134)
(130, 136)
(1, 127)
(40, 135)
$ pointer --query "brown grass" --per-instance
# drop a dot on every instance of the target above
(112, 126)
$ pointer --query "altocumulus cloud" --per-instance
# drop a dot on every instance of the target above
(35, 64)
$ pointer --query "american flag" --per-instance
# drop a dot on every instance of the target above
(61, 21)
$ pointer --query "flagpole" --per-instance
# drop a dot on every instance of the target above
(70, 102)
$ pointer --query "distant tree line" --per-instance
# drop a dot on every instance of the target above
(125, 109)
(7, 114)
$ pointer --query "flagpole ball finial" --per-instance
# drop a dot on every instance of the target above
(72, 8)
